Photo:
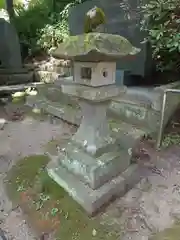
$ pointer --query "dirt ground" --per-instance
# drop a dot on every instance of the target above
(19, 139)
(143, 213)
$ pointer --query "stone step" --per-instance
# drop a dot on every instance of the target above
(137, 107)
(135, 112)
(63, 111)
(142, 106)
(126, 134)
(13, 71)
(16, 78)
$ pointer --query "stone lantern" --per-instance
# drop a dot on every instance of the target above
(89, 168)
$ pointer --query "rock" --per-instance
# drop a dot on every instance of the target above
(18, 94)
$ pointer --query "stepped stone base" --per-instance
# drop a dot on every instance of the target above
(92, 200)
(94, 170)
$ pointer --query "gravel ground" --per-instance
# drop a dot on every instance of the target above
(17, 140)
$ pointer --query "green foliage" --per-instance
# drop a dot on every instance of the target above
(53, 34)
(162, 21)
(2, 4)
(42, 24)
(28, 23)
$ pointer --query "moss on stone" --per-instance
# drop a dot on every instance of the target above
(94, 17)
(95, 47)
(49, 206)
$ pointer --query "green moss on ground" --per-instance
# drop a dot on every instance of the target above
(172, 233)
(48, 206)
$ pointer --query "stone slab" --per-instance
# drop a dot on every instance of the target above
(92, 200)
(92, 93)
(16, 78)
(13, 71)
(126, 134)
(72, 116)
(94, 171)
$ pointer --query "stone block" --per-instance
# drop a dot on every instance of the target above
(16, 78)
(91, 200)
(126, 134)
(94, 171)
(45, 76)
(94, 94)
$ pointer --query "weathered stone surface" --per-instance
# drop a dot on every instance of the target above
(90, 200)
(72, 115)
(46, 77)
(16, 78)
(94, 171)
(50, 70)
(92, 93)
(93, 133)
(122, 17)
(126, 134)
(95, 47)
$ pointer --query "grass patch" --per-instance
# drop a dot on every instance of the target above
(172, 233)
(48, 206)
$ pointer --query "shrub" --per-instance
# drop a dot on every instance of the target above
(43, 24)
(29, 21)
(52, 34)
(162, 21)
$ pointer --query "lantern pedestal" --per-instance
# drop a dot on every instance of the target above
(90, 167)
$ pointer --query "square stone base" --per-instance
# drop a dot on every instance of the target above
(92, 200)
(91, 170)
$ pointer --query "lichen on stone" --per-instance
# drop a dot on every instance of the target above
(95, 47)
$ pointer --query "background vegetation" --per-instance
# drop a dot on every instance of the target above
(162, 21)
(44, 23)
